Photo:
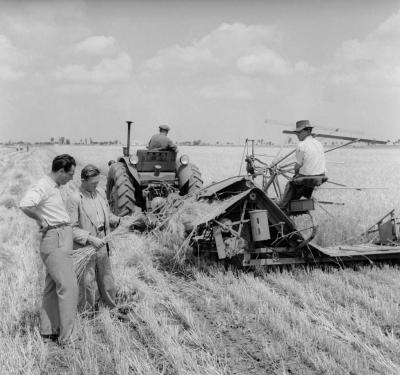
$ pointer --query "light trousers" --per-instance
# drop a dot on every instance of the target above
(97, 283)
(60, 295)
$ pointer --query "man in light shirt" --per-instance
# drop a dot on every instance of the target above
(161, 141)
(43, 202)
(310, 162)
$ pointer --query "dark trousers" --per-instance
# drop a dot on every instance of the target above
(295, 189)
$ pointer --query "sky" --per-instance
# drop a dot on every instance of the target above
(211, 70)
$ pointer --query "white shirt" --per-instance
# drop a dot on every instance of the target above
(93, 200)
(45, 195)
(310, 156)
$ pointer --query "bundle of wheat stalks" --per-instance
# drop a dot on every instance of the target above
(177, 221)
(81, 257)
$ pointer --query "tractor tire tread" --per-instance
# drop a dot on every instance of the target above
(125, 191)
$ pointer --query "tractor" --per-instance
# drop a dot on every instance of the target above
(146, 179)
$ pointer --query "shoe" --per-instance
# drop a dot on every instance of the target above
(121, 316)
(89, 315)
(124, 310)
(67, 344)
(71, 342)
(50, 338)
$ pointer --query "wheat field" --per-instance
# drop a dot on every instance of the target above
(199, 318)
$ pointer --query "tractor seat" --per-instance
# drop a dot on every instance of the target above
(310, 181)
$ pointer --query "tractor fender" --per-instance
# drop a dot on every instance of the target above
(189, 178)
(183, 173)
(131, 169)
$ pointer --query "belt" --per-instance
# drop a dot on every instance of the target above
(58, 226)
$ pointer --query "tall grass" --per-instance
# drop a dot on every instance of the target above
(203, 320)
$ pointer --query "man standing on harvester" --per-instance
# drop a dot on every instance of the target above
(309, 170)
(161, 141)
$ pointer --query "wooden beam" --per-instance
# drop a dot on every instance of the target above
(355, 139)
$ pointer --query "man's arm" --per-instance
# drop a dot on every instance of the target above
(33, 213)
(299, 158)
(171, 145)
(114, 220)
(297, 168)
(30, 202)
(80, 235)
(150, 145)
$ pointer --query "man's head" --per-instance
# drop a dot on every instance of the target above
(303, 129)
(164, 129)
(63, 168)
(90, 177)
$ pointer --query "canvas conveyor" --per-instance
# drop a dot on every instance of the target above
(234, 230)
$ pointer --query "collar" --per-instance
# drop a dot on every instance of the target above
(51, 181)
(88, 194)
(307, 138)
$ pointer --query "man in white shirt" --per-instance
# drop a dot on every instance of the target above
(43, 202)
(310, 162)
(161, 141)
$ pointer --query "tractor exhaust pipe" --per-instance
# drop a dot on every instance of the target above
(126, 150)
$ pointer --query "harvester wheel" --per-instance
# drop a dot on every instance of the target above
(195, 183)
(120, 190)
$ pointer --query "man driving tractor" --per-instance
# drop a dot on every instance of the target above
(309, 170)
(161, 141)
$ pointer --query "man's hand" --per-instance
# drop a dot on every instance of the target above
(297, 168)
(96, 242)
(43, 226)
(33, 213)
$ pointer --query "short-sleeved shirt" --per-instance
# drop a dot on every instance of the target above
(310, 155)
(161, 141)
(46, 196)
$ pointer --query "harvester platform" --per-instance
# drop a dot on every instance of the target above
(369, 252)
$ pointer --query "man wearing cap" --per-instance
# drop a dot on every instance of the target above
(161, 141)
(44, 203)
(310, 162)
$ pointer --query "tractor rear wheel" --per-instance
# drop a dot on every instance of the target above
(120, 190)
(195, 183)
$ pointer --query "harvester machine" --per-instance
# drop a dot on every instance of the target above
(246, 222)
(247, 227)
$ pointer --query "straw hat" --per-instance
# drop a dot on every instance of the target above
(302, 124)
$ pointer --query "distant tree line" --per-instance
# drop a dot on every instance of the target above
(83, 141)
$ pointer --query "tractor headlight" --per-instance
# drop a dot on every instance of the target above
(184, 159)
(133, 159)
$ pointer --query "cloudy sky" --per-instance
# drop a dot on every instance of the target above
(213, 70)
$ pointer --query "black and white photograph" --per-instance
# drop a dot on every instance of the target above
(199, 187)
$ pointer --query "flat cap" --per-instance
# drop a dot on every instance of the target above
(164, 127)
